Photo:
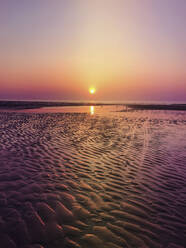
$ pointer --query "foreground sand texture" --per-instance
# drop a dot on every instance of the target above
(103, 181)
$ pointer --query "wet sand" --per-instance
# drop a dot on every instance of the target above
(71, 180)
(29, 105)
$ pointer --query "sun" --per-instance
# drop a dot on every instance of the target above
(92, 91)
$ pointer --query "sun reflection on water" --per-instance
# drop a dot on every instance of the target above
(92, 110)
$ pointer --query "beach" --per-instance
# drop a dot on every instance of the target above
(96, 178)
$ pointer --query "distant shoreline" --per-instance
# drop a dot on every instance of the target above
(21, 105)
(17, 105)
(181, 107)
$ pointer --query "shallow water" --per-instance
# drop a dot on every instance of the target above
(94, 179)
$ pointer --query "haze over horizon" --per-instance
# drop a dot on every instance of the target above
(126, 49)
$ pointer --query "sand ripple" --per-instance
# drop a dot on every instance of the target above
(75, 180)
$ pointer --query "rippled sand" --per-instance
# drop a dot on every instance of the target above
(72, 180)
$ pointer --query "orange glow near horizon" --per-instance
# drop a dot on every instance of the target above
(98, 50)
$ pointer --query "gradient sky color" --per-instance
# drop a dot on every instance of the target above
(126, 49)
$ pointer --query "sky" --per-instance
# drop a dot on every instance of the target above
(127, 49)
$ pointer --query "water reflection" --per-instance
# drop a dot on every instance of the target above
(92, 110)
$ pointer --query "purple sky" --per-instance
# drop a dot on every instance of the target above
(126, 49)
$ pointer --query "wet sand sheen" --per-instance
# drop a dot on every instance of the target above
(76, 180)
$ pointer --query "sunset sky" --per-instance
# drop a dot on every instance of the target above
(126, 49)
